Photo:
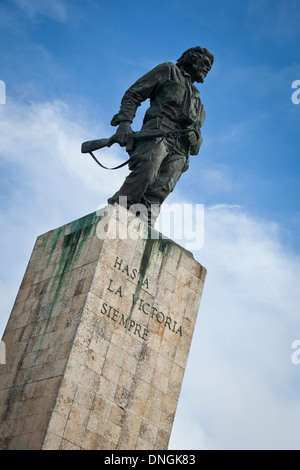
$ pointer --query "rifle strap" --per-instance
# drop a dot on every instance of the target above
(105, 167)
(173, 132)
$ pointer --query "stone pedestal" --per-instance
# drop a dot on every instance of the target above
(98, 338)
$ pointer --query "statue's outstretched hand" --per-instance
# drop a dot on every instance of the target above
(123, 133)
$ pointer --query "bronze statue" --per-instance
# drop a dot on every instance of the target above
(159, 154)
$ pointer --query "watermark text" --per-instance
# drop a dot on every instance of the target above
(183, 223)
(296, 94)
(295, 358)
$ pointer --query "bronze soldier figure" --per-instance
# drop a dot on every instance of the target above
(156, 164)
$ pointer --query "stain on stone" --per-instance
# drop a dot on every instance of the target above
(142, 353)
(152, 247)
(79, 287)
(57, 234)
(125, 399)
(72, 246)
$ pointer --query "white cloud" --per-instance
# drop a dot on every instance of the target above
(44, 142)
(46, 181)
(241, 387)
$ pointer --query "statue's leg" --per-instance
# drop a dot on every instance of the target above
(145, 163)
(166, 179)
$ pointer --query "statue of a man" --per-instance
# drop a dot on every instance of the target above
(156, 164)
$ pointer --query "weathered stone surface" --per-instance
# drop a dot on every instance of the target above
(98, 339)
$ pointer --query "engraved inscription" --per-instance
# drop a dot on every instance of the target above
(153, 312)
(132, 273)
(127, 322)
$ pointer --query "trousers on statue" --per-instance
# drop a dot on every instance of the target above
(156, 166)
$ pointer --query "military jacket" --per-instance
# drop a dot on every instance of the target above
(172, 96)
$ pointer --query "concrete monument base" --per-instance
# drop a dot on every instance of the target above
(98, 338)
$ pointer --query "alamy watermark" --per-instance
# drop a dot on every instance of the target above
(295, 358)
(2, 353)
(183, 223)
(296, 94)
(2, 92)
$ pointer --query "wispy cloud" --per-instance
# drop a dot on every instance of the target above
(276, 18)
(43, 139)
(240, 388)
(55, 9)
(45, 181)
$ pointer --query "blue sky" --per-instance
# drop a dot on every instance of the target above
(66, 65)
